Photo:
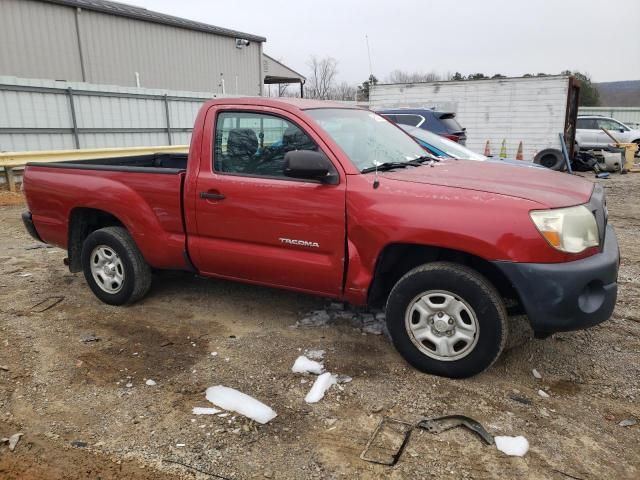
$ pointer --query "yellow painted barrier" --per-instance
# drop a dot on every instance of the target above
(12, 160)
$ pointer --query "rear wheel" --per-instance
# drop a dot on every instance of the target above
(447, 319)
(114, 267)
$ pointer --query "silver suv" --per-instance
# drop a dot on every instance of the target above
(589, 132)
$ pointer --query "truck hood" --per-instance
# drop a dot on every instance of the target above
(546, 187)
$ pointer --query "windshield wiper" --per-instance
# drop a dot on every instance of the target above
(387, 166)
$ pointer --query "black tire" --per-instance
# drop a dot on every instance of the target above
(466, 285)
(551, 158)
(136, 272)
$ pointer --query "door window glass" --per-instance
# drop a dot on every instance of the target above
(255, 144)
(609, 124)
(586, 124)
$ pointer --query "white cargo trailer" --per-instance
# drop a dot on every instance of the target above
(531, 110)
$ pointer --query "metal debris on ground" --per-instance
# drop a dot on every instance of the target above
(391, 436)
(519, 399)
(37, 246)
(46, 304)
(90, 338)
(195, 469)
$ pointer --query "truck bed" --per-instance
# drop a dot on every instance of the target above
(154, 163)
(144, 193)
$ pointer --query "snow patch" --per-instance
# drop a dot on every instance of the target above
(320, 386)
(513, 446)
(304, 365)
(236, 401)
(205, 411)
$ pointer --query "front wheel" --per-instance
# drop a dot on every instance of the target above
(447, 319)
(114, 267)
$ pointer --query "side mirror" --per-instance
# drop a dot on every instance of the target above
(309, 165)
(621, 130)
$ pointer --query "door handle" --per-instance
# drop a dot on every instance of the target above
(211, 196)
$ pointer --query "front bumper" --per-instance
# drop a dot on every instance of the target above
(28, 224)
(568, 296)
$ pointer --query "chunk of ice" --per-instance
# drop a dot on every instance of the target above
(513, 446)
(536, 374)
(320, 386)
(150, 383)
(205, 411)
(304, 365)
(317, 318)
(236, 401)
(543, 394)
(315, 354)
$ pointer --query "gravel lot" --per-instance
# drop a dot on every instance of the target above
(80, 418)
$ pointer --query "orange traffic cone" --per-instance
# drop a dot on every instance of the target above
(487, 149)
(503, 149)
(520, 154)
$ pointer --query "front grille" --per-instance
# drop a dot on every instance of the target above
(598, 206)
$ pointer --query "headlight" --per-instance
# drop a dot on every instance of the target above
(571, 230)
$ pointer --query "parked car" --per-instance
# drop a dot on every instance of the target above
(444, 148)
(335, 201)
(589, 132)
(442, 123)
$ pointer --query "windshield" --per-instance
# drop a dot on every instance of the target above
(450, 148)
(367, 138)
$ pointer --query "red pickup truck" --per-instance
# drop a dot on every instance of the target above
(336, 201)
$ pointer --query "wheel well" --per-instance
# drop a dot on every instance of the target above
(397, 259)
(82, 222)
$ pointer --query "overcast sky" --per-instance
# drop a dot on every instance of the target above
(511, 37)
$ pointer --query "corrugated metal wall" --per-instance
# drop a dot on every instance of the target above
(531, 110)
(37, 115)
(627, 115)
(40, 40)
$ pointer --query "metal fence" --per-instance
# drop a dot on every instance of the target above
(52, 115)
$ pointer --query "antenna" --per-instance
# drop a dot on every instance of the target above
(369, 54)
(376, 182)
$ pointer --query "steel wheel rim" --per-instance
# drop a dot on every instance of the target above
(107, 269)
(442, 325)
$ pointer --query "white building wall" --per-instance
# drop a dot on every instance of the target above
(531, 110)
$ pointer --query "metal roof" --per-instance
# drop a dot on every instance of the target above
(139, 13)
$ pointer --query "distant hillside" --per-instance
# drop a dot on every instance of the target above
(619, 94)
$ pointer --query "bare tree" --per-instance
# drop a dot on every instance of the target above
(322, 78)
(343, 91)
(282, 89)
(400, 76)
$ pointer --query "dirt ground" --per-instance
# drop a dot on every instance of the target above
(86, 412)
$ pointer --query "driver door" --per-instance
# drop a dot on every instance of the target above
(254, 223)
